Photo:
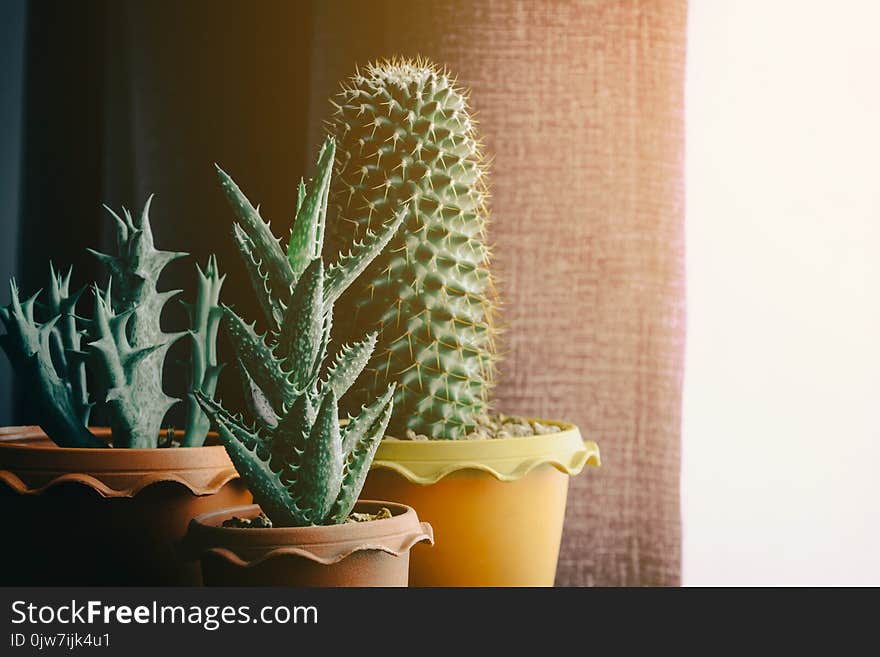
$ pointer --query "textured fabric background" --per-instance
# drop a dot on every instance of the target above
(581, 106)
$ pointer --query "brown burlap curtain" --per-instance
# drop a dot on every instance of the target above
(581, 106)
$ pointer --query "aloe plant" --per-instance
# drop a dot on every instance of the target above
(302, 465)
(116, 357)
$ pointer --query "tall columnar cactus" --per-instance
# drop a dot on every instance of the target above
(122, 348)
(406, 136)
(302, 467)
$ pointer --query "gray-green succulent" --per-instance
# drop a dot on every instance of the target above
(406, 136)
(205, 316)
(116, 357)
(302, 465)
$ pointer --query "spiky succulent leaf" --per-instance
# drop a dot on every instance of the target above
(302, 329)
(271, 306)
(357, 464)
(404, 136)
(250, 437)
(326, 328)
(361, 253)
(359, 426)
(348, 365)
(259, 360)
(265, 484)
(289, 438)
(307, 235)
(279, 276)
(256, 401)
(300, 195)
(320, 472)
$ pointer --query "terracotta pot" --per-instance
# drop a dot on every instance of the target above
(374, 553)
(104, 516)
(497, 506)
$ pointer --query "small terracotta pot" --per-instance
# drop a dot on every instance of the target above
(104, 516)
(497, 506)
(373, 553)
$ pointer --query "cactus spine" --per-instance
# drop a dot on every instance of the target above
(301, 465)
(405, 136)
(121, 349)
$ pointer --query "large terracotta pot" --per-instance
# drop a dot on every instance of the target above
(104, 516)
(497, 506)
(374, 553)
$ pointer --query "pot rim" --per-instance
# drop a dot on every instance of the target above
(324, 544)
(507, 459)
(31, 464)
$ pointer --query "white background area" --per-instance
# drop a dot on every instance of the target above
(781, 442)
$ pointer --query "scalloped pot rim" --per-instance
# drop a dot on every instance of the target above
(31, 464)
(506, 459)
(326, 545)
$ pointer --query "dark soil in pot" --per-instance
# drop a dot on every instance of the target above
(262, 521)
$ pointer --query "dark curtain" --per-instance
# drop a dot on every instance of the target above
(128, 99)
(12, 47)
(581, 105)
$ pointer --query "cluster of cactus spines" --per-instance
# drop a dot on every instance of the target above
(405, 135)
(204, 315)
(53, 383)
(301, 464)
(122, 346)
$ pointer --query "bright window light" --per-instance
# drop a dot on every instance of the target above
(782, 386)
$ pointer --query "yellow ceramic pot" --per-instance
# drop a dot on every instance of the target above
(497, 506)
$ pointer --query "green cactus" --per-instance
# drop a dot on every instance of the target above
(302, 465)
(64, 409)
(204, 316)
(405, 135)
(126, 343)
(66, 338)
(122, 347)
